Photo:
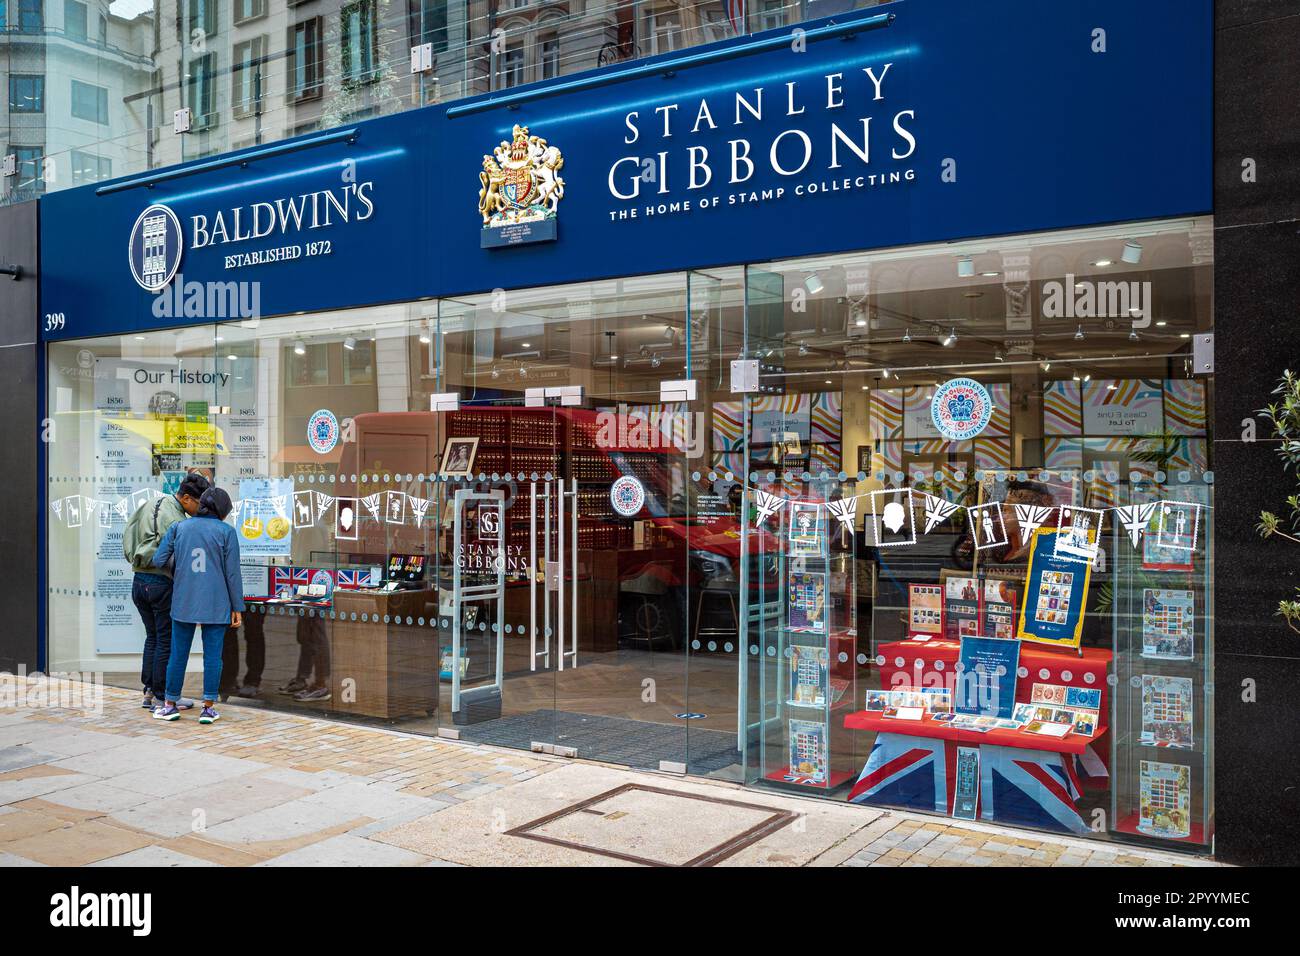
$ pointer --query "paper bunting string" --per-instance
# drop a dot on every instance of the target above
(372, 505)
(846, 510)
(1031, 518)
(280, 505)
(936, 510)
(324, 503)
(120, 509)
(768, 505)
(57, 506)
(418, 507)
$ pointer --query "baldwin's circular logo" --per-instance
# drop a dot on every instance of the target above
(627, 495)
(961, 408)
(322, 431)
(155, 247)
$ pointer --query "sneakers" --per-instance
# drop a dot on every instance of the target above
(315, 693)
(249, 690)
(294, 687)
(148, 703)
(185, 703)
(168, 711)
(209, 716)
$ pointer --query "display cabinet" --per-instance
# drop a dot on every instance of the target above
(1163, 622)
(808, 643)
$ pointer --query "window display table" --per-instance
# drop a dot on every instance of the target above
(932, 663)
(1025, 779)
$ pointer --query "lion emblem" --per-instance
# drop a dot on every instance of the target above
(520, 180)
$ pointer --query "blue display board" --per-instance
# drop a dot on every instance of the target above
(950, 119)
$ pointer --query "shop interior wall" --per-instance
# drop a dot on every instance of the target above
(18, 437)
(1257, 287)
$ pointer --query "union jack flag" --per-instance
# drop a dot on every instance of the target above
(1034, 788)
(282, 577)
(351, 580)
(736, 14)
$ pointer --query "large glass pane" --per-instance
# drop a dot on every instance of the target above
(1003, 452)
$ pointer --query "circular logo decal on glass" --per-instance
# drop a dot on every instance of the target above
(627, 495)
(322, 431)
(961, 408)
(155, 248)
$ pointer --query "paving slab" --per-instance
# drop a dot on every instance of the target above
(205, 807)
(347, 850)
(154, 856)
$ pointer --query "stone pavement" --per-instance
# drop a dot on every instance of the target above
(116, 788)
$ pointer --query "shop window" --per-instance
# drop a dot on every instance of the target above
(26, 93)
(511, 72)
(246, 10)
(358, 361)
(31, 16)
(29, 181)
(428, 23)
(663, 28)
(246, 77)
(200, 90)
(89, 168)
(305, 60)
(549, 54)
(308, 364)
(202, 16)
(359, 47)
(74, 19)
(90, 102)
(772, 14)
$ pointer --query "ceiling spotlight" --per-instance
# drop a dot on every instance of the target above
(1103, 263)
(1112, 387)
(1078, 334)
(1162, 323)
(1076, 376)
(950, 339)
(526, 345)
(656, 361)
(1087, 377)
(803, 348)
(425, 338)
(232, 357)
(496, 372)
(813, 283)
(828, 382)
(907, 336)
(997, 355)
(1045, 366)
(299, 347)
(349, 343)
(523, 371)
(1133, 335)
(1184, 335)
(965, 267)
(884, 373)
(613, 358)
(1132, 253)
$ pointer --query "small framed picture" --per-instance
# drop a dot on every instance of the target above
(864, 459)
(458, 457)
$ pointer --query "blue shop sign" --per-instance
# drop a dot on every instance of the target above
(918, 121)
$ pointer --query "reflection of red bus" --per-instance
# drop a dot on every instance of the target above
(658, 558)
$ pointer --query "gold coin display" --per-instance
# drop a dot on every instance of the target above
(277, 528)
(252, 528)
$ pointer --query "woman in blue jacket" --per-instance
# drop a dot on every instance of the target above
(207, 591)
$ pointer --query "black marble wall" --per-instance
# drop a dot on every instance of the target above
(1257, 335)
(20, 502)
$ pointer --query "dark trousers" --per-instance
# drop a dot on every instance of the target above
(152, 595)
(313, 651)
(255, 655)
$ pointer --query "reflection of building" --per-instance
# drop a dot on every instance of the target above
(93, 86)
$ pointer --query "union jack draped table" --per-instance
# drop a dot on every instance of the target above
(1025, 779)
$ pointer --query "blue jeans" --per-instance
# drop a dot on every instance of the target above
(182, 640)
(152, 594)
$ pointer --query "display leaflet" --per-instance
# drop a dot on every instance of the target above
(1167, 624)
(986, 682)
(807, 752)
(807, 603)
(1166, 711)
(1165, 799)
(809, 673)
(961, 608)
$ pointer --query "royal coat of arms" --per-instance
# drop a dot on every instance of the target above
(521, 183)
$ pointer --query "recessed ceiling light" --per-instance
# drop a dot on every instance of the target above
(990, 275)
(1184, 335)
(527, 345)
(1103, 263)
(1162, 323)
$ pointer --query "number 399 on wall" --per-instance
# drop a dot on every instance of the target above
(54, 321)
